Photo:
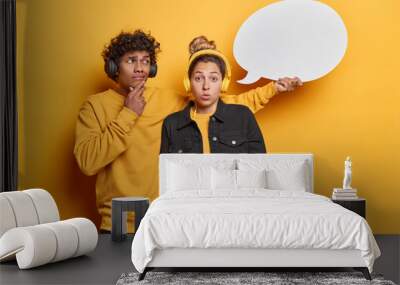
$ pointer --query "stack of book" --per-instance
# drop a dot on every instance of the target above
(344, 194)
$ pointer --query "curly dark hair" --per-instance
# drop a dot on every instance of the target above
(126, 42)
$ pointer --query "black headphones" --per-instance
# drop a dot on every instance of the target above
(112, 68)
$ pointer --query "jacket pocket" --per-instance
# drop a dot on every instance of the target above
(233, 143)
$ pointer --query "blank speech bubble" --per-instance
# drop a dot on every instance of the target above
(303, 38)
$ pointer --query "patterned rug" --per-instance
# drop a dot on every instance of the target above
(243, 278)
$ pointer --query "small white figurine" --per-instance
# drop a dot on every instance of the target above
(347, 174)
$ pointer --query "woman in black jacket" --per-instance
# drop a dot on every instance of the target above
(207, 125)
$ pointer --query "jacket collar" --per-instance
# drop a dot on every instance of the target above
(184, 115)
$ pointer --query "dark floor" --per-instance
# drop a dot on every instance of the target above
(110, 260)
(389, 262)
(103, 266)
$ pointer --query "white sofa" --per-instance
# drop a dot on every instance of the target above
(31, 231)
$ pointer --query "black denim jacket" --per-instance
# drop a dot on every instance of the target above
(232, 129)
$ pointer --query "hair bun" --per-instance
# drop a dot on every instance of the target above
(200, 43)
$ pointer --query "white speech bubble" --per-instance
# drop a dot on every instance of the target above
(303, 38)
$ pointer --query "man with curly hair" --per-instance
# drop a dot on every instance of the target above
(118, 132)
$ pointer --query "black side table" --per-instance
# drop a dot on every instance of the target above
(120, 206)
(356, 205)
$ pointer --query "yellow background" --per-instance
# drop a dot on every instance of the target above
(353, 111)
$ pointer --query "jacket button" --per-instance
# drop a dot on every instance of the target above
(233, 142)
(180, 151)
(214, 139)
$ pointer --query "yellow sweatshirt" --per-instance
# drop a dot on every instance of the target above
(123, 148)
(202, 121)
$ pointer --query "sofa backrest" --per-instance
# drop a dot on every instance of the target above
(26, 208)
(234, 161)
